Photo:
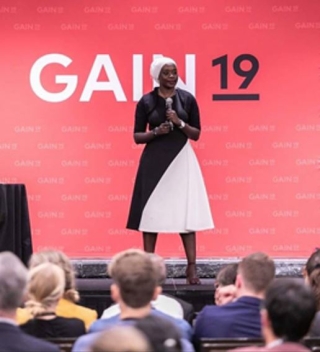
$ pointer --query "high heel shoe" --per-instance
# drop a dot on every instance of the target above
(191, 277)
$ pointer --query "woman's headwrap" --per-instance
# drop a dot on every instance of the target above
(157, 65)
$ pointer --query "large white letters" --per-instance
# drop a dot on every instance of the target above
(35, 81)
(93, 83)
(102, 61)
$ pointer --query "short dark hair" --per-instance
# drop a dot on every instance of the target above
(313, 272)
(291, 308)
(162, 334)
(257, 270)
(135, 275)
(313, 262)
(227, 275)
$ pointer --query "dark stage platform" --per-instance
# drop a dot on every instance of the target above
(94, 284)
(95, 293)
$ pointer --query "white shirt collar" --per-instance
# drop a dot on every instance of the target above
(8, 321)
(275, 343)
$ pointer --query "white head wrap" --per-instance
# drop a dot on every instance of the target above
(157, 65)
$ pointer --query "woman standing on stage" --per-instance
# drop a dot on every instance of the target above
(169, 194)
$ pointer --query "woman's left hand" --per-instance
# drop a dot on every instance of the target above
(173, 117)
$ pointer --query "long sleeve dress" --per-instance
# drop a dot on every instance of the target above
(169, 193)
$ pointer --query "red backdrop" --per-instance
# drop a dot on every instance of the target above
(71, 73)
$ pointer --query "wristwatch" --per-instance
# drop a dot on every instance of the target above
(182, 124)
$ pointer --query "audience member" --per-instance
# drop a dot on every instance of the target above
(13, 280)
(67, 306)
(225, 289)
(165, 303)
(121, 339)
(135, 286)
(162, 334)
(240, 318)
(312, 278)
(45, 289)
(287, 314)
(133, 289)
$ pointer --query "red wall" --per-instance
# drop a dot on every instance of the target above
(66, 128)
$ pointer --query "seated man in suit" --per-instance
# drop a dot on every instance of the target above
(13, 282)
(240, 318)
(166, 304)
(287, 314)
(135, 286)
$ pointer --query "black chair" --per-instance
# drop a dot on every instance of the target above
(65, 343)
(225, 344)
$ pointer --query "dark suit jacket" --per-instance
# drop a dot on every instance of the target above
(14, 340)
(237, 319)
(284, 347)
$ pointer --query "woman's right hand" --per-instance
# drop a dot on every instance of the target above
(164, 128)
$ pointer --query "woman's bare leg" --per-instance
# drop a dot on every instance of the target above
(189, 244)
(149, 241)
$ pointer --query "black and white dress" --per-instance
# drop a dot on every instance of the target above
(169, 192)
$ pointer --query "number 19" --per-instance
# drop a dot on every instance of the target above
(248, 74)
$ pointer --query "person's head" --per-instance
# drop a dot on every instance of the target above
(164, 71)
(225, 290)
(45, 288)
(160, 268)
(121, 339)
(312, 274)
(288, 311)
(162, 334)
(313, 263)
(255, 272)
(13, 281)
(60, 259)
(227, 275)
(135, 278)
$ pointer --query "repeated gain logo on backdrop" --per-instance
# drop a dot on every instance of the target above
(72, 72)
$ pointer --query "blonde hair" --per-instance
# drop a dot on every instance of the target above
(60, 259)
(45, 287)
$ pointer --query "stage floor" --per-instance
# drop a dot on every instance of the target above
(206, 268)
